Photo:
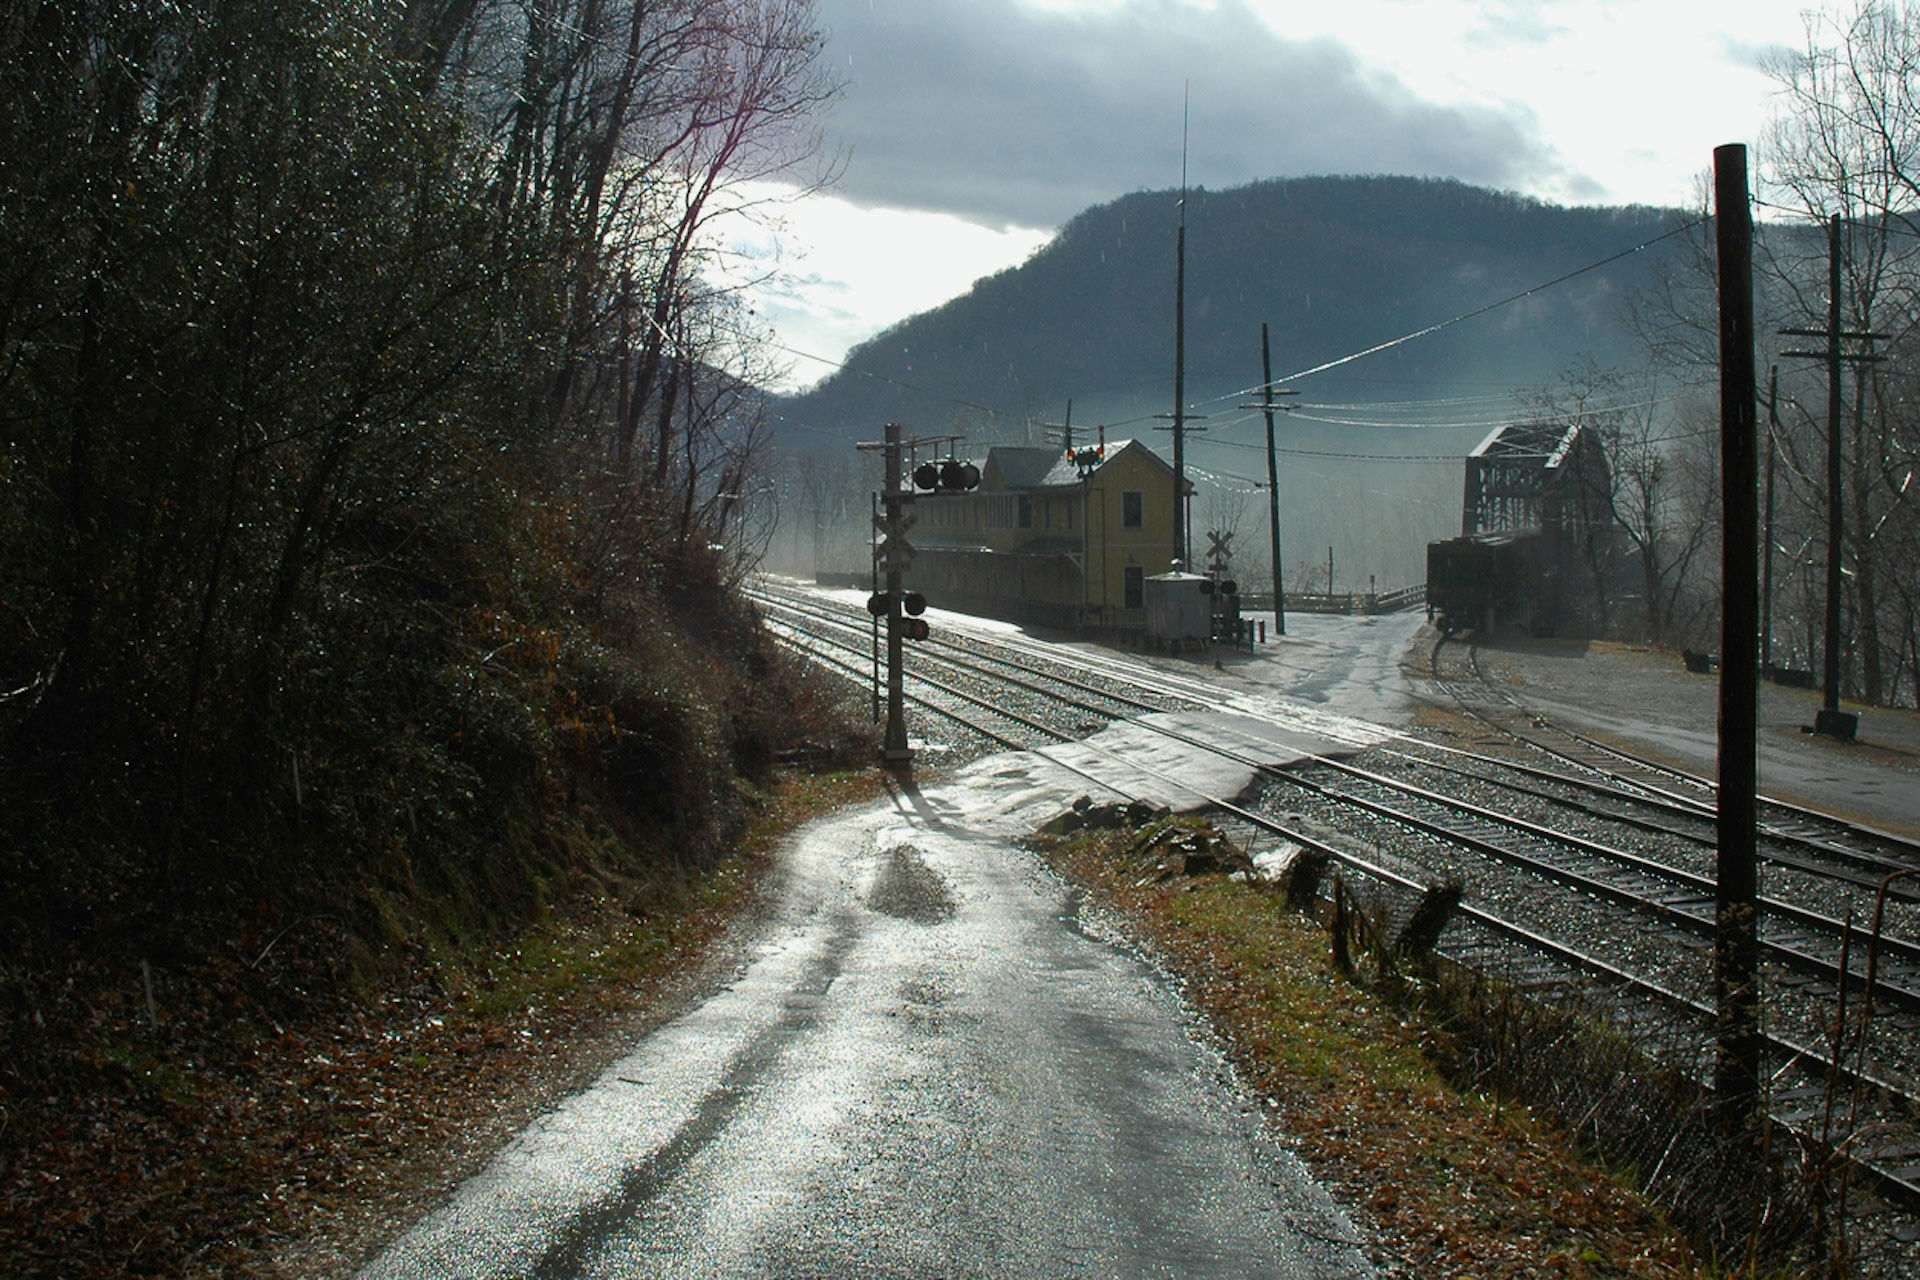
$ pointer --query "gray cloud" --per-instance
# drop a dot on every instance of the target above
(1014, 116)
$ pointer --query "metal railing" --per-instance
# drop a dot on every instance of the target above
(1349, 602)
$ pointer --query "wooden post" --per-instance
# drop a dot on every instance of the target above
(1736, 936)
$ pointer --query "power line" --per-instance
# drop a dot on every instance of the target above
(1329, 453)
(1897, 221)
(1305, 373)
(1507, 420)
(881, 377)
(1465, 315)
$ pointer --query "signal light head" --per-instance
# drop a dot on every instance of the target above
(878, 603)
(914, 628)
(951, 476)
(914, 603)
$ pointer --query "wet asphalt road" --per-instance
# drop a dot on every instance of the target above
(928, 1069)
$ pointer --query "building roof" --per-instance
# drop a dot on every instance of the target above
(1022, 466)
(1025, 467)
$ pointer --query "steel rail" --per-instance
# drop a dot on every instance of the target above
(1891, 1181)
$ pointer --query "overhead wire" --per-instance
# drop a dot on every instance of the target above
(1323, 367)
(881, 377)
(1462, 317)
(1461, 424)
(1333, 453)
(1902, 222)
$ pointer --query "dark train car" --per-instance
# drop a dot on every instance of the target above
(1486, 581)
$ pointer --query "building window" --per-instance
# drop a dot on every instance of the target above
(1136, 584)
(1131, 514)
(1026, 511)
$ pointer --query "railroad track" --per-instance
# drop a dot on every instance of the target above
(1792, 834)
(1623, 847)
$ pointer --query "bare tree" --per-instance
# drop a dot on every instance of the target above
(1847, 144)
(1657, 486)
(306, 311)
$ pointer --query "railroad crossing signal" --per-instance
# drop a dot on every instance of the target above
(912, 603)
(1219, 554)
(951, 476)
(902, 612)
(894, 554)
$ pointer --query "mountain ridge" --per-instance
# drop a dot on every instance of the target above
(1334, 266)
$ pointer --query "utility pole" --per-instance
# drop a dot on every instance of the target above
(1831, 720)
(1736, 919)
(1273, 479)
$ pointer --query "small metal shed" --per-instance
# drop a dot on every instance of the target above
(1179, 609)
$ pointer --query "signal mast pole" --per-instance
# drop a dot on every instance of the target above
(901, 608)
(895, 750)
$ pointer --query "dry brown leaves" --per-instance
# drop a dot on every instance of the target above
(1452, 1186)
(212, 1142)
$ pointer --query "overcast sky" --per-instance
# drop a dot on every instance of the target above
(970, 129)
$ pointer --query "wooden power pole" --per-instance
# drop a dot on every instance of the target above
(1830, 719)
(1736, 929)
(1273, 480)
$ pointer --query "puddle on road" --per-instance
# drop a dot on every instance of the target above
(910, 889)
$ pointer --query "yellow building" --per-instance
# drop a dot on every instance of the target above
(1047, 541)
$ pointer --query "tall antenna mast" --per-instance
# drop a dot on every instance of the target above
(1180, 345)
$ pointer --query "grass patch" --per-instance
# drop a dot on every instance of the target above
(1453, 1183)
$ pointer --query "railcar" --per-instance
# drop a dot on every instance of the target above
(1487, 581)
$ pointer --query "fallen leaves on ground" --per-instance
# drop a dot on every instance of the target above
(1451, 1185)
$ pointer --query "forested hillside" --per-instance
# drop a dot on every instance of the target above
(367, 445)
(1332, 265)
